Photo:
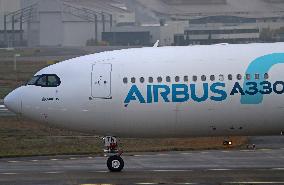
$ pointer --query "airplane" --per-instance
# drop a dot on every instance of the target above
(160, 92)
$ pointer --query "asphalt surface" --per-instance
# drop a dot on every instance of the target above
(260, 166)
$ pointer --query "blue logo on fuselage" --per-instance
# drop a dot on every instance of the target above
(251, 92)
(261, 65)
(177, 93)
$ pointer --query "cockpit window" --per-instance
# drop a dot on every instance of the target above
(33, 80)
(53, 81)
(45, 80)
(42, 81)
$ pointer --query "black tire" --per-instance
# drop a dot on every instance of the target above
(115, 163)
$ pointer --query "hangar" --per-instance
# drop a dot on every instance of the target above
(63, 22)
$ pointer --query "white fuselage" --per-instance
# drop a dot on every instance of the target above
(110, 93)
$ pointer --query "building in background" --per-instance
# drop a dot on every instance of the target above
(145, 34)
(64, 22)
(215, 21)
(74, 23)
(6, 7)
(222, 29)
(140, 22)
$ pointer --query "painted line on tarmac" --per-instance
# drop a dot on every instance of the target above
(225, 151)
(100, 171)
(54, 159)
(171, 170)
(252, 182)
(277, 168)
(9, 173)
(55, 172)
(162, 154)
(204, 152)
(13, 161)
(219, 169)
(246, 150)
(144, 155)
(265, 149)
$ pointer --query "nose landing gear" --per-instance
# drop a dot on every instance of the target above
(114, 163)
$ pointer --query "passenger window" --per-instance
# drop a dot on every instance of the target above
(239, 76)
(151, 79)
(248, 76)
(230, 77)
(125, 80)
(194, 78)
(168, 79)
(177, 78)
(185, 78)
(266, 76)
(133, 80)
(203, 78)
(212, 77)
(221, 78)
(159, 79)
(142, 80)
(256, 76)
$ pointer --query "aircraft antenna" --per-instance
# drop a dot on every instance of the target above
(156, 44)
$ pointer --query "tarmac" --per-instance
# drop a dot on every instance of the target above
(260, 166)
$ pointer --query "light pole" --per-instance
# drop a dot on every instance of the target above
(15, 64)
(15, 60)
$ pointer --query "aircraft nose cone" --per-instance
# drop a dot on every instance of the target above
(13, 101)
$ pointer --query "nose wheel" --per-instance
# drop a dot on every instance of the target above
(114, 162)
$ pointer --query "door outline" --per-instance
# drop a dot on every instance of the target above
(109, 96)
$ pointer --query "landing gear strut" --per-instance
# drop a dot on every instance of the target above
(114, 163)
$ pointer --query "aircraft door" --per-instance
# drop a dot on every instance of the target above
(101, 80)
